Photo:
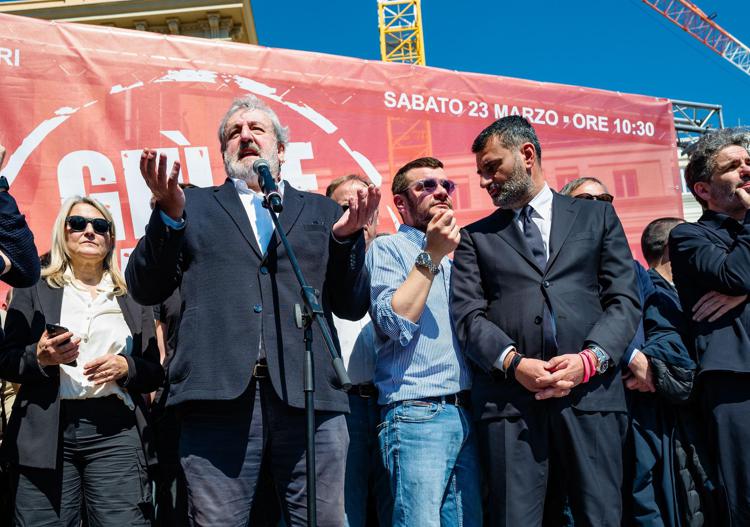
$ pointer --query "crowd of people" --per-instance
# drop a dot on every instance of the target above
(523, 370)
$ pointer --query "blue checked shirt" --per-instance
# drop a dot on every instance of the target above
(420, 360)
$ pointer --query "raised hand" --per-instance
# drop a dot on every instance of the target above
(744, 196)
(443, 235)
(169, 196)
(360, 213)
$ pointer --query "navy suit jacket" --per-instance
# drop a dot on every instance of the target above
(235, 298)
(713, 254)
(499, 293)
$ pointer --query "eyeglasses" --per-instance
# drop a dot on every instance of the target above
(430, 185)
(78, 224)
(609, 198)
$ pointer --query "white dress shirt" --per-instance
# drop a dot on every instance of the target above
(100, 325)
(260, 218)
(359, 361)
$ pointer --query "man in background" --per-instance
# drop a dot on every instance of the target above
(366, 492)
(713, 254)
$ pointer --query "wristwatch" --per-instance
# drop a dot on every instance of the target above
(601, 357)
(424, 260)
(510, 372)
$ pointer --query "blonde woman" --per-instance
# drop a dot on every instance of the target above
(78, 426)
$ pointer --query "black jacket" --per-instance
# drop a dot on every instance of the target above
(498, 294)
(33, 435)
(714, 255)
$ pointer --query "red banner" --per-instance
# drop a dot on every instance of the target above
(79, 103)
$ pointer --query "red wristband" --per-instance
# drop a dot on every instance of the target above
(585, 367)
(588, 366)
(590, 359)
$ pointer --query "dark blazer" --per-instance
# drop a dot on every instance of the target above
(33, 436)
(234, 298)
(713, 254)
(17, 242)
(499, 293)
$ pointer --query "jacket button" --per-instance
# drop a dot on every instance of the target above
(257, 308)
(546, 284)
(264, 270)
(537, 320)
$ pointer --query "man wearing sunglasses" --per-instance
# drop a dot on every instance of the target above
(426, 437)
(545, 303)
(587, 188)
(236, 375)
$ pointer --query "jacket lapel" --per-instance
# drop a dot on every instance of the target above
(50, 299)
(227, 197)
(509, 231)
(564, 212)
(132, 319)
(293, 202)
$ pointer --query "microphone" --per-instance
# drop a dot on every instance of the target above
(268, 185)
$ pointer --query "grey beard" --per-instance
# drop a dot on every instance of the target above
(237, 170)
(515, 192)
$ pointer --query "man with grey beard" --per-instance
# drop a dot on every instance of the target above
(545, 303)
(236, 376)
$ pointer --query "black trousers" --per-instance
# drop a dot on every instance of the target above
(244, 461)
(536, 465)
(725, 398)
(102, 465)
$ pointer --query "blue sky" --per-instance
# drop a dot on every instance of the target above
(620, 45)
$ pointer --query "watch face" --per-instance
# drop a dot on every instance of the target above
(424, 260)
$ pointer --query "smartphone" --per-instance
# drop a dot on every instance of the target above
(54, 330)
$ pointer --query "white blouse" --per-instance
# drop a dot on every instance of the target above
(103, 331)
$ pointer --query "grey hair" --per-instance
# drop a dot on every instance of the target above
(251, 102)
(571, 186)
(702, 162)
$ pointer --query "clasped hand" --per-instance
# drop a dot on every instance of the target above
(552, 378)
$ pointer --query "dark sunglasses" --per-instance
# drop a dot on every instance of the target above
(609, 198)
(431, 184)
(78, 224)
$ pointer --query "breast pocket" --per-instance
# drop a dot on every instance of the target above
(581, 236)
(315, 227)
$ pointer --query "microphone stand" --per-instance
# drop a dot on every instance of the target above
(311, 312)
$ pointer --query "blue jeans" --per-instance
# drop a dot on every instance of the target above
(430, 452)
(365, 472)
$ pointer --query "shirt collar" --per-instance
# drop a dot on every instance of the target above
(541, 203)
(415, 236)
(242, 188)
(719, 220)
(106, 285)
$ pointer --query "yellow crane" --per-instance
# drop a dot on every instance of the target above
(401, 37)
(402, 40)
